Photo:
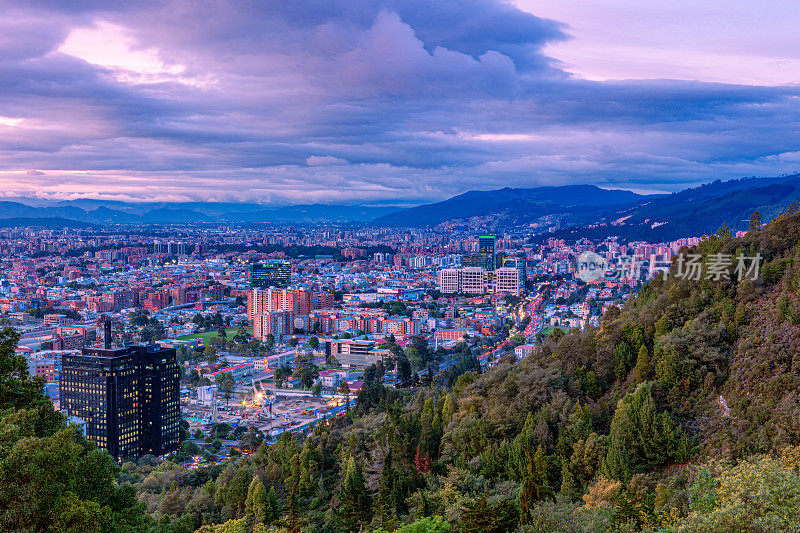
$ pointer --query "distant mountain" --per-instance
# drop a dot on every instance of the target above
(115, 212)
(333, 213)
(567, 211)
(165, 215)
(695, 211)
(586, 210)
(527, 203)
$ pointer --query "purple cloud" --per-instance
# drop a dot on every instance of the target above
(363, 101)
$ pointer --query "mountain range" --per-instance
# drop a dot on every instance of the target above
(116, 212)
(515, 204)
(586, 210)
(568, 211)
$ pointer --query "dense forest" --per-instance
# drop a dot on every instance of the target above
(680, 413)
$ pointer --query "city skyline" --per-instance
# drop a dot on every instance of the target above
(390, 102)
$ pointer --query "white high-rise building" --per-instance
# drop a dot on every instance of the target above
(473, 280)
(449, 280)
(507, 279)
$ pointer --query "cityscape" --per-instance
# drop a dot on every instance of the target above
(406, 267)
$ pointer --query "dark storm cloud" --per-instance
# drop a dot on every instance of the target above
(348, 101)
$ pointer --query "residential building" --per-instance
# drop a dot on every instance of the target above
(275, 323)
(523, 350)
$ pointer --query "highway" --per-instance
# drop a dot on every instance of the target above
(532, 307)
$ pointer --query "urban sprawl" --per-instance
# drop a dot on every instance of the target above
(233, 336)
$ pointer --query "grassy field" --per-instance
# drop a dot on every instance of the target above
(213, 334)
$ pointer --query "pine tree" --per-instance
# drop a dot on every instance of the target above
(292, 490)
(305, 483)
(755, 221)
(256, 505)
(448, 409)
(356, 503)
(481, 516)
(643, 370)
(542, 434)
(535, 484)
(518, 462)
(640, 438)
(527, 496)
(272, 507)
(385, 504)
(622, 357)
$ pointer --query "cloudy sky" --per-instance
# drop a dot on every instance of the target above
(390, 102)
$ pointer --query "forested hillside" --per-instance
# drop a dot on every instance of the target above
(681, 413)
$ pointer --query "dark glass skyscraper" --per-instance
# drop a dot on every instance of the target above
(475, 260)
(270, 274)
(128, 397)
(486, 248)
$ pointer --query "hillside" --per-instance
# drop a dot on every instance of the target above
(669, 417)
(704, 209)
(587, 211)
(535, 202)
(681, 413)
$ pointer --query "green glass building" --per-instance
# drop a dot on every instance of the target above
(270, 274)
(486, 248)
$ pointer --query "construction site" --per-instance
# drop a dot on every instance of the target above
(271, 412)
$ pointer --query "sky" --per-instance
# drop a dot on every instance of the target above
(391, 102)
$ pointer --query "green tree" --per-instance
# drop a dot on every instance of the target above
(307, 372)
(51, 477)
(272, 508)
(17, 388)
(233, 490)
(426, 524)
(345, 389)
(448, 409)
(256, 503)
(642, 370)
(281, 373)
(641, 438)
(313, 343)
(356, 504)
(535, 485)
(403, 372)
(226, 384)
(483, 516)
(210, 353)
